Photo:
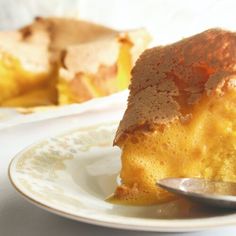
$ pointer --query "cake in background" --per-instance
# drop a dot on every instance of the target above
(57, 61)
(181, 117)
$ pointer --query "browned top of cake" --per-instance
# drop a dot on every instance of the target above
(167, 82)
(63, 32)
(103, 50)
(86, 45)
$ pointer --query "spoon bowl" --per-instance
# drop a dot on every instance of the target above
(213, 193)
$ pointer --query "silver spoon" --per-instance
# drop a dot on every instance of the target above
(213, 193)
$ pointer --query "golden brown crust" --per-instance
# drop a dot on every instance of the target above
(64, 32)
(85, 45)
(167, 82)
(88, 57)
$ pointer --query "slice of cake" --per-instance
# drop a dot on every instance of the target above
(181, 117)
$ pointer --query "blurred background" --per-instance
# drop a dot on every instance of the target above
(167, 20)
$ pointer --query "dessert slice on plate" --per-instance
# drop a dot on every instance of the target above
(181, 116)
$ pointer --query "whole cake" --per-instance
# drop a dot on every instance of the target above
(57, 61)
(181, 116)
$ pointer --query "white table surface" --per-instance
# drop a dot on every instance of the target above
(20, 218)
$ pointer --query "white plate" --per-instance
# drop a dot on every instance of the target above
(72, 174)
